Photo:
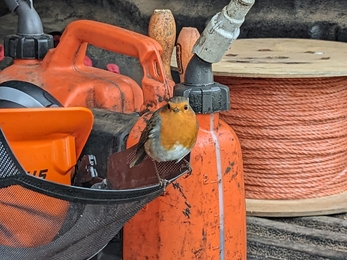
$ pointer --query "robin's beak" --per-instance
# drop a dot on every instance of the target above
(175, 109)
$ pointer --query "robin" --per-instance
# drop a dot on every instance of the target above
(170, 134)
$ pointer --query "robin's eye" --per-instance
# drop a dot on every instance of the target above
(168, 106)
(185, 107)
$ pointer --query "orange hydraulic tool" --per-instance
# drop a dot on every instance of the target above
(63, 74)
(202, 216)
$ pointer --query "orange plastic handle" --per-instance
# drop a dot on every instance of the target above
(111, 38)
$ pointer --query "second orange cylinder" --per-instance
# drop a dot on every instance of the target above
(203, 215)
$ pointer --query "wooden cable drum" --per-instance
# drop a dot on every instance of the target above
(289, 109)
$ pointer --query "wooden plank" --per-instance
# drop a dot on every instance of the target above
(281, 58)
(296, 232)
(294, 208)
(259, 257)
(286, 238)
(322, 222)
(287, 249)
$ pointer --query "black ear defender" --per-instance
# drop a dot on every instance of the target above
(22, 94)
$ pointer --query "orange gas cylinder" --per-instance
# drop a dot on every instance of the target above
(63, 74)
(202, 216)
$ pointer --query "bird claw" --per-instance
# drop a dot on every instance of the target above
(163, 183)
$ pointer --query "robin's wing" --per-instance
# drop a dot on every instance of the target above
(151, 123)
(146, 133)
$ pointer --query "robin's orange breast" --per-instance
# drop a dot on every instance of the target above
(178, 129)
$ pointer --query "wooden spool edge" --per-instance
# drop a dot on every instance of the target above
(283, 74)
(275, 76)
(328, 205)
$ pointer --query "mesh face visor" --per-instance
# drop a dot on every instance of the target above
(44, 220)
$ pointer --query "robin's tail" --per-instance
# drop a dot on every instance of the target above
(140, 156)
